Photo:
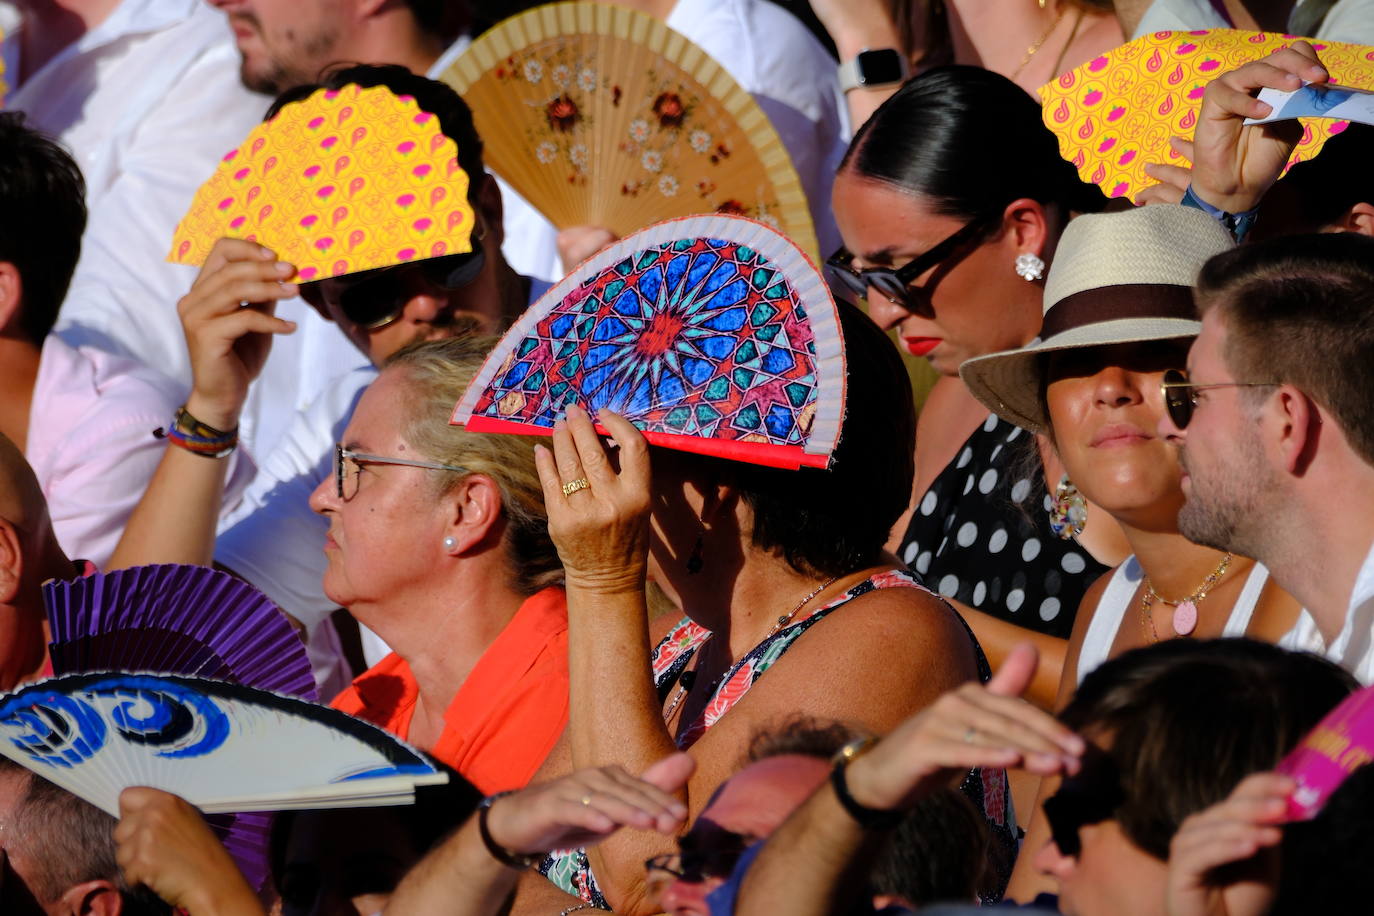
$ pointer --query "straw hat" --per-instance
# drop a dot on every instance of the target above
(1116, 278)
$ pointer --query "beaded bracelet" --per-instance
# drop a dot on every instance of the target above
(196, 437)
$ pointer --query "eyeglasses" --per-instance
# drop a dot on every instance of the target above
(348, 464)
(696, 865)
(1180, 395)
(849, 282)
(375, 298)
(1090, 797)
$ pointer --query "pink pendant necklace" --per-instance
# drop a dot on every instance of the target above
(1185, 609)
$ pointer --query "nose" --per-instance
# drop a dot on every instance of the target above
(1118, 387)
(885, 313)
(687, 898)
(424, 307)
(1050, 861)
(1169, 432)
(325, 497)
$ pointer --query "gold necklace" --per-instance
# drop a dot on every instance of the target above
(688, 678)
(1031, 51)
(1185, 609)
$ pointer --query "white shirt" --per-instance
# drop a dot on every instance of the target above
(95, 455)
(1353, 647)
(1344, 20)
(148, 102)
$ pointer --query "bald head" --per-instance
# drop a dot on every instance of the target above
(21, 499)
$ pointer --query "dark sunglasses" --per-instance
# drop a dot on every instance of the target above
(1180, 395)
(694, 865)
(852, 283)
(373, 299)
(1090, 797)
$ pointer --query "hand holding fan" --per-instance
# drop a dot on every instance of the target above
(1116, 114)
(601, 115)
(712, 334)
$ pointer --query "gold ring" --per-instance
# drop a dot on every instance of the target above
(586, 800)
(572, 486)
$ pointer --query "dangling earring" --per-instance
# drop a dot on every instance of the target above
(1069, 511)
(450, 542)
(694, 561)
(1029, 267)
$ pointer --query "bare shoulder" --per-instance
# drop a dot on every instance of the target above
(1087, 607)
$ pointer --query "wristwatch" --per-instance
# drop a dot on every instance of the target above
(867, 818)
(874, 68)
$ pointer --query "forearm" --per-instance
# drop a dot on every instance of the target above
(175, 520)
(998, 637)
(858, 33)
(459, 878)
(232, 899)
(813, 865)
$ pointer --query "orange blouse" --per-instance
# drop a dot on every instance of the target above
(509, 712)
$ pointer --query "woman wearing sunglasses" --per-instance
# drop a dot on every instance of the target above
(1119, 317)
(950, 201)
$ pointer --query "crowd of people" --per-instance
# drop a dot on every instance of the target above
(1040, 636)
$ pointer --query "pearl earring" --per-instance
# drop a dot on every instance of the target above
(1029, 267)
(450, 542)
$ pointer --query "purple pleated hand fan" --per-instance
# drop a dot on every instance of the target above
(711, 334)
(188, 620)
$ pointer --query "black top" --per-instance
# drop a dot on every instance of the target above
(981, 536)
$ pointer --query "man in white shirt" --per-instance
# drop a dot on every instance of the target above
(1276, 427)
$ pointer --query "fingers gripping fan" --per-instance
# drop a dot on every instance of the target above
(712, 334)
(173, 619)
(222, 747)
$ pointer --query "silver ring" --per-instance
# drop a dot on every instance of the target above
(969, 734)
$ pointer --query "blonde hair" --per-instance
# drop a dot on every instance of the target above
(439, 372)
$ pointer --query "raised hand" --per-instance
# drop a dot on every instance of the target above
(578, 243)
(1223, 861)
(1234, 164)
(971, 726)
(228, 321)
(162, 843)
(598, 511)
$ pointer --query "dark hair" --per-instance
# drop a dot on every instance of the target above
(70, 841)
(1189, 719)
(42, 217)
(1317, 193)
(801, 735)
(970, 142)
(831, 522)
(439, 99)
(1325, 861)
(429, 15)
(437, 810)
(1300, 310)
(940, 851)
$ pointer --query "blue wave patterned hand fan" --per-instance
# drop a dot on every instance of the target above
(174, 619)
(222, 747)
(712, 334)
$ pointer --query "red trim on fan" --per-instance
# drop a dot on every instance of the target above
(786, 457)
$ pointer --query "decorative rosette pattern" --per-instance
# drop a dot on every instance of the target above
(340, 182)
(1116, 113)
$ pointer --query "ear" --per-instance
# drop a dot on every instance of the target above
(1299, 423)
(492, 209)
(1359, 218)
(717, 501)
(11, 562)
(474, 506)
(1027, 226)
(11, 295)
(366, 9)
(99, 897)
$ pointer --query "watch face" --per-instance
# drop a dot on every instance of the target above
(882, 66)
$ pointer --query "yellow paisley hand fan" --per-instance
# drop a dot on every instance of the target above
(601, 115)
(343, 181)
(1116, 113)
(4, 86)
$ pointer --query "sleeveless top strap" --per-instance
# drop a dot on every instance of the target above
(1244, 609)
(1109, 615)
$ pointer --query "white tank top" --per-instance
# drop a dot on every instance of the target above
(1119, 597)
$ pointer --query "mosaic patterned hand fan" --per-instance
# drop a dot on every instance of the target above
(712, 334)
(1115, 114)
(343, 181)
(222, 747)
(172, 619)
(601, 115)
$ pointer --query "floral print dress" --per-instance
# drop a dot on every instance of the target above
(987, 789)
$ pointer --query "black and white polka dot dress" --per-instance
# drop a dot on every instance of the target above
(981, 536)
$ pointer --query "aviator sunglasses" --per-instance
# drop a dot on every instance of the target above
(853, 283)
(1180, 395)
(375, 298)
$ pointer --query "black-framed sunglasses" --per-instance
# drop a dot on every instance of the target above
(850, 282)
(348, 464)
(1090, 797)
(1180, 395)
(375, 298)
(696, 865)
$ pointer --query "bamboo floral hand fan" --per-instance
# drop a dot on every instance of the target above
(712, 334)
(601, 115)
(1116, 113)
(340, 182)
(222, 747)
